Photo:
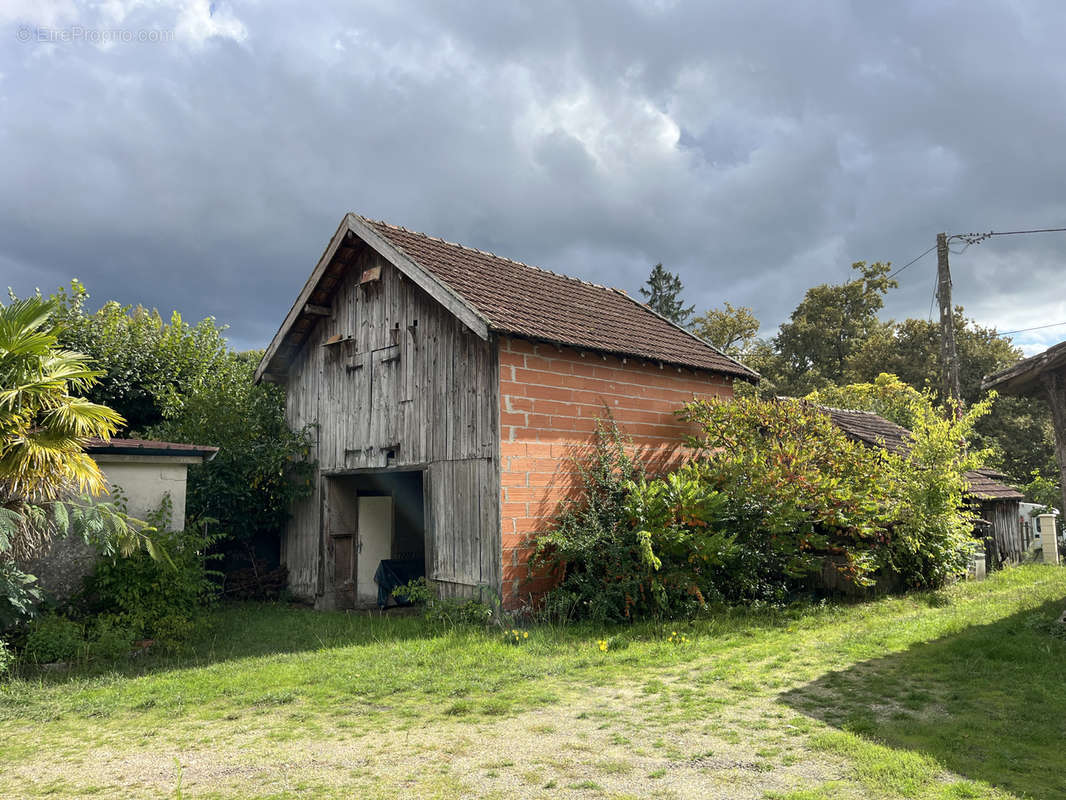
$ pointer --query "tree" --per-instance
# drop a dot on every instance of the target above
(262, 466)
(1017, 431)
(911, 350)
(183, 383)
(44, 426)
(149, 365)
(886, 396)
(828, 325)
(664, 296)
(732, 329)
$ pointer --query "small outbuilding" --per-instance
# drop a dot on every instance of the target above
(450, 388)
(140, 474)
(996, 503)
(144, 472)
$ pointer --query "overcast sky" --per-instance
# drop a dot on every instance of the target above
(756, 148)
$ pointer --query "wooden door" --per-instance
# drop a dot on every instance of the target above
(340, 510)
(375, 543)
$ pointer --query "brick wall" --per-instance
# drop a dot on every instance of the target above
(550, 399)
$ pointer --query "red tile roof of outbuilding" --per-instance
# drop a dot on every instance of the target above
(490, 293)
(535, 303)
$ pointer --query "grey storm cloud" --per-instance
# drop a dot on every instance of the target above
(755, 148)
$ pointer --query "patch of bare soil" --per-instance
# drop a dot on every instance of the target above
(601, 742)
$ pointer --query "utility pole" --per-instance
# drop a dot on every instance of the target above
(949, 357)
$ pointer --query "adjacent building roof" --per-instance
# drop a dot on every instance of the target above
(148, 447)
(987, 484)
(1024, 377)
(875, 430)
(870, 428)
(507, 296)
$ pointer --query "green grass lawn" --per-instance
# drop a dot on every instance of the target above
(957, 694)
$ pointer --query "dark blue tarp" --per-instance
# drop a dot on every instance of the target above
(394, 572)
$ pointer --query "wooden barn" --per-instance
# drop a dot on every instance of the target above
(995, 503)
(449, 388)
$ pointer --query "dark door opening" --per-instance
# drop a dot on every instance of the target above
(376, 531)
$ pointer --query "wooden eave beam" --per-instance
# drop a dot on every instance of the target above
(1025, 376)
(302, 299)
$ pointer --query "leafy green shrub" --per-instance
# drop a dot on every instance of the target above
(52, 638)
(456, 612)
(7, 658)
(417, 592)
(931, 538)
(157, 599)
(447, 612)
(19, 593)
(1043, 490)
(592, 548)
(110, 639)
(777, 499)
(799, 492)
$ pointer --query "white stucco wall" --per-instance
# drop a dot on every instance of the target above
(145, 480)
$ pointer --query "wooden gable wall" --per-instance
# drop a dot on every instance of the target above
(392, 380)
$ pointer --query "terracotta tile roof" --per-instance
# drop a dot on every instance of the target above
(986, 484)
(870, 428)
(873, 429)
(534, 303)
(145, 447)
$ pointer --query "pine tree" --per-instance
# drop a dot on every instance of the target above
(663, 296)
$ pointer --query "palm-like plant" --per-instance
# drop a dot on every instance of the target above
(44, 468)
(43, 426)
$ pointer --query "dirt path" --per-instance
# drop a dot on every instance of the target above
(607, 742)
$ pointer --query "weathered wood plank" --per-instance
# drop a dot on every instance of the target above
(432, 389)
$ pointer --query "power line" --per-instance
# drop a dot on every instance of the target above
(1018, 233)
(1034, 328)
(977, 238)
(913, 261)
(974, 238)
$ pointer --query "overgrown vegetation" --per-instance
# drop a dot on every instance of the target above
(835, 337)
(447, 612)
(179, 382)
(776, 501)
(136, 598)
(592, 550)
(175, 382)
(44, 426)
(146, 599)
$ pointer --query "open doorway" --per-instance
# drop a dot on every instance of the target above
(375, 536)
